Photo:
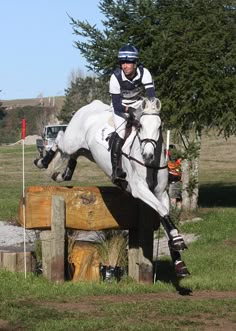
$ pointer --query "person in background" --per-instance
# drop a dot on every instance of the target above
(175, 178)
(128, 84)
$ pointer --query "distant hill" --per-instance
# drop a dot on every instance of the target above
(38, 112)
(47, 102)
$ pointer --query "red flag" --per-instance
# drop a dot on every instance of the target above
(23, 128)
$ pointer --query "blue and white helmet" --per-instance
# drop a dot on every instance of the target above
(128, 53)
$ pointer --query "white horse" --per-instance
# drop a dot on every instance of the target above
(89, 133)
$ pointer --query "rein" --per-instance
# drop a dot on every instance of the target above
(143, 164)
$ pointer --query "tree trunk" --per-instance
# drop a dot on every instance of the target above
(195, 189)
(185, 184)
(190, 173)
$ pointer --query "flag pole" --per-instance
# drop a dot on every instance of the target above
(23, 130)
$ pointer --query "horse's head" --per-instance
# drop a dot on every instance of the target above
(149, 130)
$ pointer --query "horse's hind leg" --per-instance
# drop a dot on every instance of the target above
(67, 173)
(43, 163)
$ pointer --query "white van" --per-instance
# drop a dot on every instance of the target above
(49, 135)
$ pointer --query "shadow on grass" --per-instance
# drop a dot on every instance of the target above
(165, 274)
(217, 195)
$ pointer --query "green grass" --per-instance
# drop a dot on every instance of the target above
(35, 304)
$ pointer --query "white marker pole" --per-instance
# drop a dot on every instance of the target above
(23, 185)
(167, 143)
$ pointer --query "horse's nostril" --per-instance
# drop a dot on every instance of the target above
(148, 158)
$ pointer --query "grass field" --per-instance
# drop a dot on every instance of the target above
(210, 301)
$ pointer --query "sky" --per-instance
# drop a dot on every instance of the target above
(38, 55)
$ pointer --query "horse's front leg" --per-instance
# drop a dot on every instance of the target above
(175, 239)
(179, 265)
(140, 190)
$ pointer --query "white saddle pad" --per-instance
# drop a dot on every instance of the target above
(103, 134)
(102, 137)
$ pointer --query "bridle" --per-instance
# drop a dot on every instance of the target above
(148, 140)
(145, 141)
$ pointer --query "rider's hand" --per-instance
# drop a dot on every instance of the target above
(131, 111)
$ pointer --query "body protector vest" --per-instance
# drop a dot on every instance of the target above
(130, 90)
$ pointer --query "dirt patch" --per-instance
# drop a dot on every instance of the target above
(200, 321)
(230, 242)
(5, 326)
(88, 302)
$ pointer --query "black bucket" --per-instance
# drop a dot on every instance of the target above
(109, 273)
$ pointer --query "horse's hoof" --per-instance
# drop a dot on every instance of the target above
(57, 177)
(177, 244)
(181, 269)
(39, 164)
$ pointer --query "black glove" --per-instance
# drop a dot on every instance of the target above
(132, 121)
(131, 111)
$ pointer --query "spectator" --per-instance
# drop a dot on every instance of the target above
(175, 178)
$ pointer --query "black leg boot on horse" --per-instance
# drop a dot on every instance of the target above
(181, 270)
(176, 241)
(67, 174)
(117, 172)
(44, 162)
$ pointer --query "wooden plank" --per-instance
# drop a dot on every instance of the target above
(87, 208)
(14, 261)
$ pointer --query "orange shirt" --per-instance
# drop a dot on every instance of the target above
(175, 167)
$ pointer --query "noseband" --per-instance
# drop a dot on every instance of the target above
(148, 140)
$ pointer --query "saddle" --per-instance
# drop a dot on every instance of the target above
(131, 122)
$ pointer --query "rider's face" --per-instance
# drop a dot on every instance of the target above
(128, 68)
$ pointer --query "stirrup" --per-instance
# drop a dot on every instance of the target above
(177, 244)
(117, 176)
(181, 269)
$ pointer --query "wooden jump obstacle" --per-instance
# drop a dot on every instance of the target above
(54, 209)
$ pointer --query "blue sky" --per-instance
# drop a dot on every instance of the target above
(37, 52)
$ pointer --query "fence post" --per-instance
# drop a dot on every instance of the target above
(141, 245)
(53, 243)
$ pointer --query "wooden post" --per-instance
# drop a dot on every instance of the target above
(53, 243)
(141, 245)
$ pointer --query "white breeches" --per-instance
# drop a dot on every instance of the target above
(120, 124)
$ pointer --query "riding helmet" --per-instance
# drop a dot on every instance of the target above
(128, 53)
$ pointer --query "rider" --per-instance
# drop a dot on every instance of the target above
(127, 85)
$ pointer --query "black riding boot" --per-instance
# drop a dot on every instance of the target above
(117, 171)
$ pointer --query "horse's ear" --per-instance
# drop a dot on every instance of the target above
(158, 104)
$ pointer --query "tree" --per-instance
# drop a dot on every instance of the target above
(189, 46)
(2, 110)
(81, 92)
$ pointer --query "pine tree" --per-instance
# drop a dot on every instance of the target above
(190, 49)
